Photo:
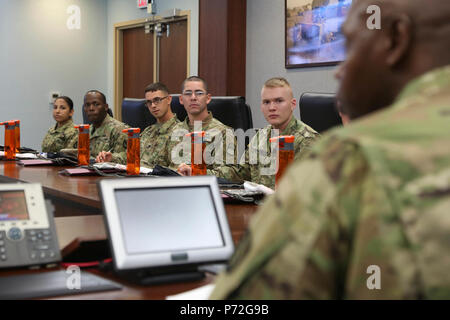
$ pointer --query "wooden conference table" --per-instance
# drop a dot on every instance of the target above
(78, 214)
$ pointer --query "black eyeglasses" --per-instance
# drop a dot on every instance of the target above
(155, 101)
(197, 93)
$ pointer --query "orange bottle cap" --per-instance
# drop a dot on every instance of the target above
(196, 134)
(132, 130)
(82, 126)
(8, 123)
(286, 139)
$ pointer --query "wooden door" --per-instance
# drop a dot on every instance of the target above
(173, 56)
(138, 53)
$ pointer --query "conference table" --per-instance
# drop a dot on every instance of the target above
(78, 214)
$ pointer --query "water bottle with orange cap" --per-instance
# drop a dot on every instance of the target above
(133, 151)
(198, 145)
(285, 154)
(10, 140)
(83, 144)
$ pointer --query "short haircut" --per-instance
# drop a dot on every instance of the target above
(96, 91)
(195, 78)
(67, 100)
(277, 82)
(157, 86)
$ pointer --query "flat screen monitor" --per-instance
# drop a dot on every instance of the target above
(160, 222)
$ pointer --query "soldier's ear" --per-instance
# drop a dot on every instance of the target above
(293, 104)
(399, 41)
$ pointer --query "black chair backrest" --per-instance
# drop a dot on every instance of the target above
(318, 110)
(232, 111)
(85, 118)
(135, 113)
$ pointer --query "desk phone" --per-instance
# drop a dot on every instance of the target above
(27, 230)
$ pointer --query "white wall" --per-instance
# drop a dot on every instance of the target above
(39, 54)
(126, 10)
(265, 57)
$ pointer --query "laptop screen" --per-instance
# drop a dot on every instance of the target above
(163, 219)
(158, 222)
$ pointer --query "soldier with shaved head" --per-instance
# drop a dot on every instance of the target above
(373, 221)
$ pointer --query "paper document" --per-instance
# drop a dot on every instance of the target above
(21, 155)
(112, 165)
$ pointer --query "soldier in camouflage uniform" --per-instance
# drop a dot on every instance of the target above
(277, 105)
(155, 139)
(373, 220)
(105, 132)
(62, 135)
(195, 99)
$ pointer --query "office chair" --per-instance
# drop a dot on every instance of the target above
(135, 113)
(318, 110)
(231, 111)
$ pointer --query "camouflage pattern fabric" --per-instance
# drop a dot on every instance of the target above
(155, 142)
(217, 136)
(59, 138)
(251, 170)
(375, 193)
(108, 137)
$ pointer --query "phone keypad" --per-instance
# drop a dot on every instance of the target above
(2, 247)
(40, 244)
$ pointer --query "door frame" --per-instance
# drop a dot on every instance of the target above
(118, 51)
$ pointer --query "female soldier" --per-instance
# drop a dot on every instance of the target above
(63, 134)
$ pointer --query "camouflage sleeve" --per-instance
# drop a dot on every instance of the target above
(236, 172)
(298, 245)
(119, 155)
(179, 147)
(221, 148)
(304, 142)
(45, 143)
(155, 150)
(119, 141)
(71, 140)
(59, 140)
(230, 170)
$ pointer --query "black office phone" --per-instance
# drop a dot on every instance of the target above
(27, 230)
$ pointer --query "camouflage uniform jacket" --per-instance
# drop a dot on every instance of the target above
(255, 168)
(60, 138)
(217, 135)
(155, 142)
(377, 196)
(108, 137)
